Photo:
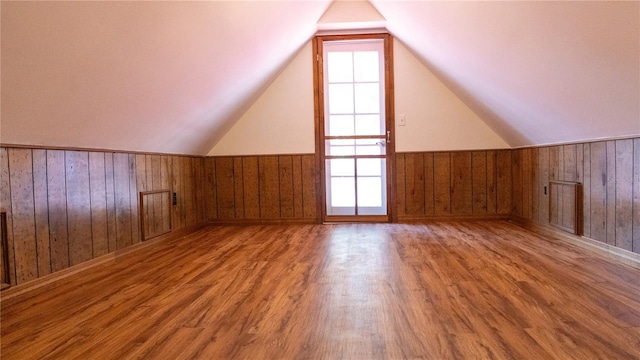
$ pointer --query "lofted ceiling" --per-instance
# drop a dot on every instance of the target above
(174, 76)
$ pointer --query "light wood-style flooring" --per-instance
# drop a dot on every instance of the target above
(446, 290)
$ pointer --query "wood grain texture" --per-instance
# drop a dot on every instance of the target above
(479, 182)
(414, 183)
(238, 187)
(429, 185)
(225, 188)
(442, 183)
(78, 207)
(365, 291)
(503, 162)
(401, 204)
(296, 163)
(269, 187)
(22, 205)
(97, 184)
(251, 187)
(285, 169)
(608, 172)
(517, 189)
(492, 183)
(122, 200)
(310, 184)
(636, 195)
(210, 188)
(624, 194)
(41, 211)
(461, 183)
(8, 268)
(110, 198)
(57, 199)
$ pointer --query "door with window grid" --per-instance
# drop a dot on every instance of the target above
(356, 135)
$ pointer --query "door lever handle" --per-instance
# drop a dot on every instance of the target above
(388, 136)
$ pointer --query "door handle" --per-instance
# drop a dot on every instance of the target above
(388, 136)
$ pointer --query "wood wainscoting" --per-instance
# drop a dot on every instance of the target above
(457, 184)
(610, 174)
(261, 189)
(65, 207)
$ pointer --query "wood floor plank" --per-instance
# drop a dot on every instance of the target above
(443, 290)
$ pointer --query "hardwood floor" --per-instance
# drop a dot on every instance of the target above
(450, 290)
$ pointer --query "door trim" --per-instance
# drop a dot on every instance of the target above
(318, 102)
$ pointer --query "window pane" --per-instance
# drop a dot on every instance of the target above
(367, 98)
(369, 192)
(340, 66)
(366, 66)
(340, 99)
(370, 147)
(343, 192)
(340, 125)
(339, 147)
(340, 167)
(369, 125)
(370, 167)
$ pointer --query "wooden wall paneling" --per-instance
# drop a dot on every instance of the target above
(414, 183)
(202, 212)
(429, 195)
(187, 191)
(543, 182)
(41, 211)
(442, 183)
(285, 168)
(156, 200)
(526, 183)
(580, 178)
(570, 162)
(142, 172)
(400, 185)
(110, 200)
(624, 194)
(561, 161)
(238, 180)
(503, 162)
(636, 195)
(492, 183)
(296, 163)
(225, 188)
(78, 206)
(568, 208)
(611, 192)
(461, 183)
(251, 187)
(5, 204)
(554, 204)
(97, 184)
(176, 188)
(165, 183)
(554, 163)
(133, 201)
(479, 173)
(269, 187)
(534, 180)
(210, 188)
(586, 190)
(310, 199)
(22, 209)
(598, 193)
(122, 200)
(516, 206)
(57, 199)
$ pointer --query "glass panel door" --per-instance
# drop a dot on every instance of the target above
(355, 131)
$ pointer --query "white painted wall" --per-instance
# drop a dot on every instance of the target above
(281, 120)
(435, 118)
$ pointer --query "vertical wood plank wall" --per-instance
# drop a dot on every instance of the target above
(67, 207)
(610, 174)
(453, 184)
(265, 188)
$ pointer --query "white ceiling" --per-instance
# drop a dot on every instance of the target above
(174, 76)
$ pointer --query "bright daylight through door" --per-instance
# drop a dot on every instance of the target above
(355, 133)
